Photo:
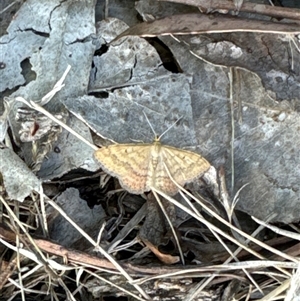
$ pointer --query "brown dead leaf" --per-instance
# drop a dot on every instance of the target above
(165, 258)
(187, 24)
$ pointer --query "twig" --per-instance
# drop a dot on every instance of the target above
(7, 7)
(277, 230)
(273, 11)
(171, 226)
(230, 75)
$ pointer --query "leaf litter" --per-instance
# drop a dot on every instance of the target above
(122, 245)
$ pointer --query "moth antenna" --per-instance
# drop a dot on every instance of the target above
(169, 128)
(155, 135)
